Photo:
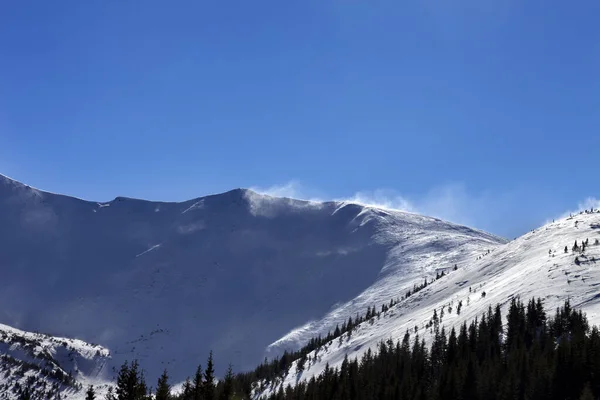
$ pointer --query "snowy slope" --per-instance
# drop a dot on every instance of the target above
(534, 265)
(419, 246)
(48, 365)
(167, 282)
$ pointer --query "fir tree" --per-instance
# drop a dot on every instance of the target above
(209, 379)
(130, 382)
(198, 385)
(300, 364)
(227, 390)
(187, 390)
(90, 394)
(163, 389)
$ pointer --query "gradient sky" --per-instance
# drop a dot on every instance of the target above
(482, 112)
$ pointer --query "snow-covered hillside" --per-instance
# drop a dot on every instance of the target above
(235, 272)
(419, 247)
(48, 366)
(543, 263)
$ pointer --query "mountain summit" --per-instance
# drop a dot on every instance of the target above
(235, 273)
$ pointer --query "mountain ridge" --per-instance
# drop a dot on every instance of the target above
(140, 276)
(244, 192)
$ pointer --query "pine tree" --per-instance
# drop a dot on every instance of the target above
(90, 394)
(227, 391)
(336, 332)
(198, 386)
(470, 386)
(130, 382)
(209, 379)
(300, 364)
(122, 389)
(188, 390)
(163, 389)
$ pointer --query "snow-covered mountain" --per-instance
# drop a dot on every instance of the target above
(235, 272)
(46, 365)
(418, 248)
(543, 263)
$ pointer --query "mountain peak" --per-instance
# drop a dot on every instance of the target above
(102, 268)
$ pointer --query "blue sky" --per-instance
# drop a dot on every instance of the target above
(482, 112)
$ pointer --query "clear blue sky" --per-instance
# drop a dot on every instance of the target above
(173, 100)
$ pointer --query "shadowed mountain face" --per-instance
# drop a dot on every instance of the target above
(167, 282)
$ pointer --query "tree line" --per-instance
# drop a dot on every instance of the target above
(131, 384)
(531, 356)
